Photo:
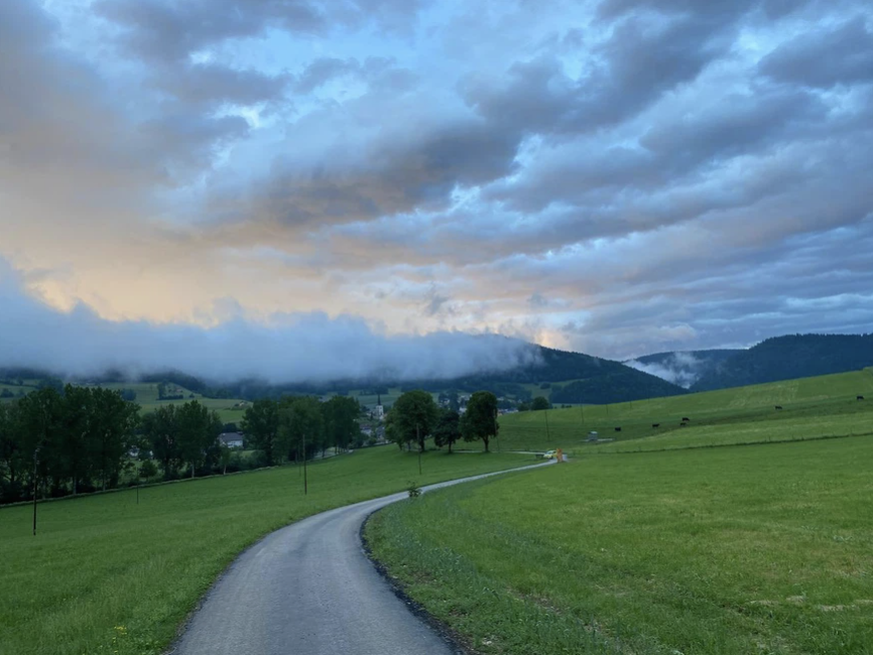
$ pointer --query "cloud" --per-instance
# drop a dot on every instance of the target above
(617, 177)
(679, 368)
(842, 55)
(287, 348)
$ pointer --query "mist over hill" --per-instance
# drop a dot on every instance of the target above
(683, 368)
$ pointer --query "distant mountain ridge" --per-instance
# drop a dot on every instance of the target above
(789, 357)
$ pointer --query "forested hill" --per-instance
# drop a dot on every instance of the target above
(574, 378)
(789, 357)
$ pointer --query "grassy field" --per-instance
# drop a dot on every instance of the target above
(764, 549)
(108, 575)
(568, 428)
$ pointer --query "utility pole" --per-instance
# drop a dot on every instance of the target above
(35, 466)
(418, 438)
(305, 480)
(548, 436)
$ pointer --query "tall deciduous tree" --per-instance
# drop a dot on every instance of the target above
(413, 417)
(341, 421)
(111, 429)
(261, 427)
(480, 419)
(301, 426)
(12, 461)
(40, 417)
(448, 429)
(161, 431)
(78, 414)
(540, 402)
(198, 433)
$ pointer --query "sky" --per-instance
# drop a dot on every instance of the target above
(615, 177)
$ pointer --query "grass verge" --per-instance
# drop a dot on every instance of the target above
(748, 550)
(107, 575)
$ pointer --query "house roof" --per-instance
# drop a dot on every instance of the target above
(227, 437)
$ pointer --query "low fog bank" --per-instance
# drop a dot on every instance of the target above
(683, 369)
(288, 349)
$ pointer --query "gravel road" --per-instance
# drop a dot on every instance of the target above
(309, 589)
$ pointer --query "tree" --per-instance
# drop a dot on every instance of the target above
(224, 456)
(480, 419)
(148, 470)
(12, 460)
(111, 427)
(78, 415)
(301, 426)
(6, 394)
(413, 417)
(198, 432)
(260, 424)
(161, 431)
(540, 402)
(341, 421)
(39, 421)
(448, 429)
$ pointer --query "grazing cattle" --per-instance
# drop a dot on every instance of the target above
(685, 418)
(859, 398)
(683, 424)
(656, 425)
(778, 406)
(618, 429)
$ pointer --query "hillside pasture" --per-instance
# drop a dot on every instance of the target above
(764, 549)
(107, 575)
(568, 428)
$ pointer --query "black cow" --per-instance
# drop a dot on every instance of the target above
(656, 425)
(618, 429)
(685, 418)
(859, 398)
(778, 406)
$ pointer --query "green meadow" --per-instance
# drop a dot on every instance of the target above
(763, 549)
(828, 395)
(107, 575)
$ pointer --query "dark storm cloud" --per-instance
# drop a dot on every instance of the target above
(641, 60)
(843, 55)
(165, 30)
(323, 70)
(169, 30)
(209, 83)
(396, 176)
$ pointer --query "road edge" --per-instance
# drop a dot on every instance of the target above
(450, 637)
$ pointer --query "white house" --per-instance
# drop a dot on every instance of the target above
(231, 439)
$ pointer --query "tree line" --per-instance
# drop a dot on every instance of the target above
(415, 417)
(76, 440)
(296, 427)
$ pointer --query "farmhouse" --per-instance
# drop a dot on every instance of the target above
(231, 439)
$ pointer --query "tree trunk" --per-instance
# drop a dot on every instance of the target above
(486, 440)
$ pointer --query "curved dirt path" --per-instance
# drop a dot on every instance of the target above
(309, 589)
